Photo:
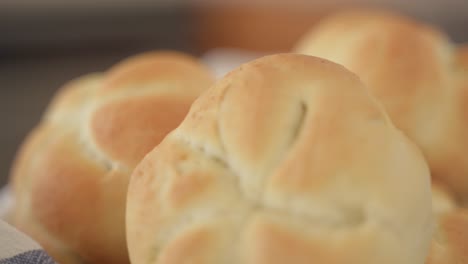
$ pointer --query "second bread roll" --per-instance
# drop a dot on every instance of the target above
(287, 159)
(70, 176)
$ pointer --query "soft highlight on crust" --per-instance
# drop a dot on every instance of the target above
(285, 150)
(70, 177)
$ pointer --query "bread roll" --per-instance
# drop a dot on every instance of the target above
(71, 175)
(287, 159)
(412, 69)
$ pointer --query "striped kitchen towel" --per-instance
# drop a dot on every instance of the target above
(17, 248)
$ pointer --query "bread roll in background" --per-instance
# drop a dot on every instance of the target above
(414, 70)
(71, 175)
(287, 159)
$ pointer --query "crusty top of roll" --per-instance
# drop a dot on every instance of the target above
(287, 159)
(70, 176)
(414, 70)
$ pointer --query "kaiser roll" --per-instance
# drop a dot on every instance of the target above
(71, 175)
(287, 159)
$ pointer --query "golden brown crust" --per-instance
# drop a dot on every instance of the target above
(70, 176)
(287, 159)
(115, 125)
(415, 71)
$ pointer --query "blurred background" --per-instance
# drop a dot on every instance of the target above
(44, 43)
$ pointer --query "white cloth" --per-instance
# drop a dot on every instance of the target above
(17, 248)
(6, 202)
